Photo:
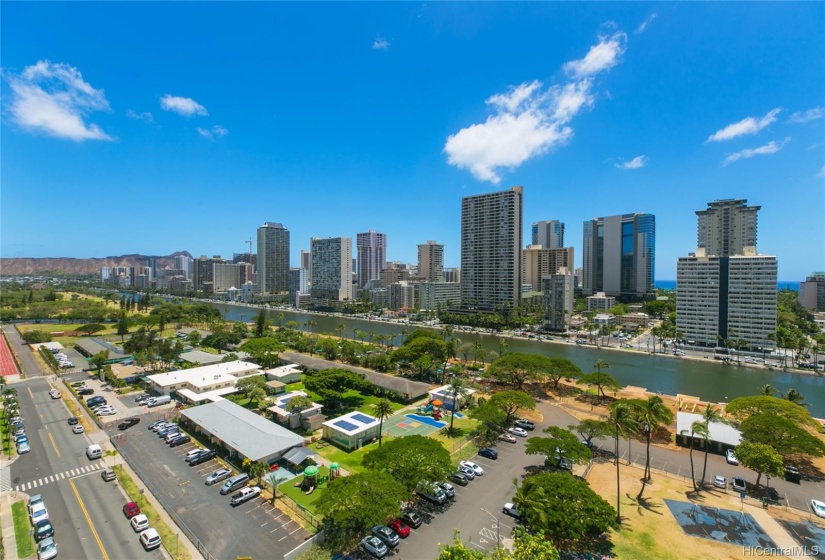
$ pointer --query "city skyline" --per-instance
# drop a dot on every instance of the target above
(384, 116)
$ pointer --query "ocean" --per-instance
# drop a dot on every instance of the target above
(671, 285)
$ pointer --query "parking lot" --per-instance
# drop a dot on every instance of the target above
(253, 529)
(124, 405)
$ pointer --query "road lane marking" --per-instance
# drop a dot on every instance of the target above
(89, 520)
(29, 389)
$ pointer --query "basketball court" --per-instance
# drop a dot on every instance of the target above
(403, 425)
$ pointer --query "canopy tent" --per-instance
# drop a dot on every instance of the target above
(298, 455)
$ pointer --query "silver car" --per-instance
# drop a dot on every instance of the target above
(217, 476)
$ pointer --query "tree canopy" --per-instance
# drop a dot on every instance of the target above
(782, 434)
(332, 383)
(564, 508)
(601, 380)
(510, 402)
(411, 459)
(745, 407)
(561, 369)
(590, 428)
(526, 546)
(560, 444)
(515, 368)
(760, 458)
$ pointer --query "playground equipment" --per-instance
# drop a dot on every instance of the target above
(426, 410)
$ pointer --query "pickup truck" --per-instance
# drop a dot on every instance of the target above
(245, 494)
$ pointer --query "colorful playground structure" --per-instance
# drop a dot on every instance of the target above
(434, 408)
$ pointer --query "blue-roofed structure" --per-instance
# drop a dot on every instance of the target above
(351, 430)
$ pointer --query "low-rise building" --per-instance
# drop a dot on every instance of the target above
(290, 373)
(203, 383)
(722, 436)
(293, 419)
(445, 395)
(600, 301)
(638, 319)
(352, 430)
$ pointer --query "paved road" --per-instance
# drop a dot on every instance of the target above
(255, 529)
(85, 510)
(28, 363)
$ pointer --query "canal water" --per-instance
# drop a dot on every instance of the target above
(707, 379)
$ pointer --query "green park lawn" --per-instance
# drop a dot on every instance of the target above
(349, 460)
(307, 501)
(354, 400)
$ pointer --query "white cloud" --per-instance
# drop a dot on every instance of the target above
(646, 22)
(53, 98)
(821, 172)
(749, 125)
(380, 43)
(770, 148)
(600, 57)
(805, 116)
(529, 120)
(145, 116)
(216, 131)
(185, 106)
(636, 163)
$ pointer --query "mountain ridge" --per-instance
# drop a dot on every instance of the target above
(21, 266)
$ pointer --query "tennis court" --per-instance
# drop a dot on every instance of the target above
(411, 424)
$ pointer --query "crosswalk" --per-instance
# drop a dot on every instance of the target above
(26, 486)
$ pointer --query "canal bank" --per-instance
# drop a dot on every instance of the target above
(707, 379)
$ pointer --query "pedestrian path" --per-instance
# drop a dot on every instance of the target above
(26, 486)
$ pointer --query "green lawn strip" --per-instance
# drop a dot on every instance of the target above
(465, 453)
(167, 534)
(307, 501)
(22, 530)
(351, 461)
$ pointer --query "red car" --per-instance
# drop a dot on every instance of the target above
(131, 509)
(401, 528)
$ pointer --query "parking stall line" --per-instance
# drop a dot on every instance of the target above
(296, 530)
(282, 538)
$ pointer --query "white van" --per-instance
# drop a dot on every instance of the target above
(94, 452)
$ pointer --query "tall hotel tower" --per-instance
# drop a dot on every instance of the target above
(273, 258)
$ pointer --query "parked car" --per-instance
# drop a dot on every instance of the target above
(730, 457)
(508, 438)
(85, 391)
(22, 438)
(488, 453)
(818, 508)
(448, 489)
(245, 494)
(139, 522)
(39, 512)
(33, 501)
(511, 509)
(193, 453)
(468, 473)
(108, 411)
(73, 420)
(54, 394)
(459, 479)
(525, 424)
(77, 429)
(792, 474)
(180, 439)
(46, 549)
(23, 448)
(374, 546)
(43, 529)
(174, 434)
(150, 539)
(401, 529)
(166, 430)
(217, 476)
(155, 424)
(128, 423)
(412, 519)
(108, 475)
(202, 458)
(130, 510)
(140, 398)
(386, 535)
(739, 484)
(520, 432)
(431, 491)
(477, 470)
(720, 482)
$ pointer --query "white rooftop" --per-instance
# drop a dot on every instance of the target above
(283, 370)
(213, 396)
(352, 423)
(719, 431)
(445, 392)
(279, 408)
(206, 375)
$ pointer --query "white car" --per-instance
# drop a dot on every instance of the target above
(510, 509)
(150, 539)
(39, 513)
(819, 508)
(470, 465)
(520, 432)
(730, 457)
(720, 482)
(77, 429)
(139, 523)
(47, 549)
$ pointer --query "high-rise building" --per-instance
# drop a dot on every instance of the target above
(273, 258)
(435, 295)
(619, 254)
(812, 292)
(393, 274)
(557, 299)
(203, 273)
(538, 262)
(452, 275)
(549, 234)
(184, 262)
(491, 240)
(727, 298)
(226, 275)
(431, 262)
(331, 268)
(726, 227)
(372, 256)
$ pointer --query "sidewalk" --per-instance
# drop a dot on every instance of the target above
(7, 498)
(100, 437)
(773, 529)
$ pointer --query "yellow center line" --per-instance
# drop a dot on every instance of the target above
(53, 444)
(29, 389)
(88, 519)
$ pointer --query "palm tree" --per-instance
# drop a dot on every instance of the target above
(458, 389)
(382, 409)
(653, 413)
(502, 346)
(709, 415)
(795, 397)
(601, 364)
(621, 421)
(310, 323)
(767, 390)
(696, 429)
(258, 469)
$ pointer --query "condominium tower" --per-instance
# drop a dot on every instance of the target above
(331, 268)
(726, 227)
(372, 256)
(431, 261)
(491, 241)
(619, 254)
(538, 262)
(548, 234)
(273, 258)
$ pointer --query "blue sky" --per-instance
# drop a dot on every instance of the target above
(158, 127)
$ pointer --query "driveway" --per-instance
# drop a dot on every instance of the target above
(124, 405)
(254, 529)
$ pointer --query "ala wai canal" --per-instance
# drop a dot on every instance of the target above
(707, 378)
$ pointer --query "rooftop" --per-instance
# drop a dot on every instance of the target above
(352, 423)
(719, 431)
(251, 435)
(206, 375)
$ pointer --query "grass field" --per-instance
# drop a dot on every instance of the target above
(354, 400)
(308, 501)
(167, 535)
(351, 461)
(22, 535)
